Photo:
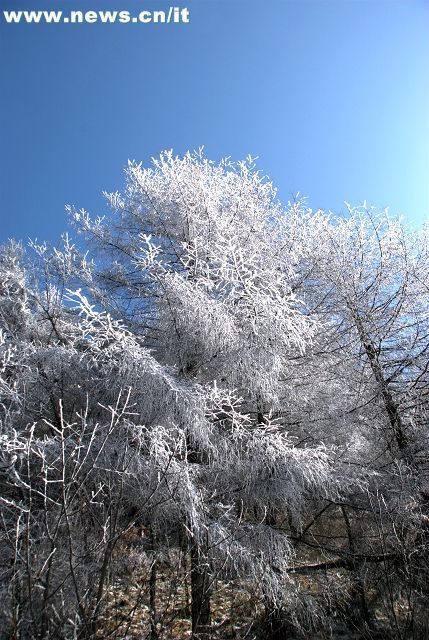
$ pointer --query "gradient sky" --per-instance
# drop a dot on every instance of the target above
(331, 95)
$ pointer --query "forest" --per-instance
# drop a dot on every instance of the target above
(214, 417)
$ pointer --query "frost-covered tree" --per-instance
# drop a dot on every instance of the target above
(221, 387)
(191, 450)
(192, 258)
(365, 380)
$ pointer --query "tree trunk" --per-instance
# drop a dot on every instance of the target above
(358, 603)
(200, 592)
(390, 405)
(152, 590)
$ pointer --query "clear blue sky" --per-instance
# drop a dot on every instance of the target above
(332, 95)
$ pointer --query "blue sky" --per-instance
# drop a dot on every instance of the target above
(331, 95)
